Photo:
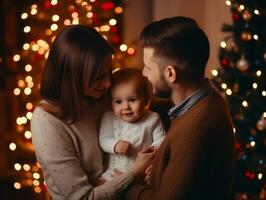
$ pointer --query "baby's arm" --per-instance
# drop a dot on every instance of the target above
(108, 142)
(106, 134)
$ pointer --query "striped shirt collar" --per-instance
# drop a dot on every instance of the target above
(190, 101)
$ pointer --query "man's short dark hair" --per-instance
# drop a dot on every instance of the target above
(180, 39)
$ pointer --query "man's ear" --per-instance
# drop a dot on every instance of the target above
(170, 73)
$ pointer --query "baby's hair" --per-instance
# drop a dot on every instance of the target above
(124, 75)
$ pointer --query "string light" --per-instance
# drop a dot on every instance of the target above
(229, 92)
(260, 176)
(54, 27)
(215, 72)
(263, 93)
(12, 146)
(256, 12)
(17, 185)
(28, 134)
(228, 3)
(252, 144)
(28, 68)
(29, 106)
(112, 22)
(36, 175)
(223, 44)
(118, 10)
(26, 46)
(123, 47)
(224, 86)
(54, 2)
(255, 85)
(256, 37)
(245, 103)
(24, 16)
(55, 18)
(16, 58)
(26, 167)
(258, 73)
(264, 114)
(16, 91)
(17, 166)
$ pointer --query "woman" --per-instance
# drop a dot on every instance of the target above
(65, 124)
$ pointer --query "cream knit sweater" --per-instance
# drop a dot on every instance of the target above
(70, 156)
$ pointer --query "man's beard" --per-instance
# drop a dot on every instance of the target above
(162, 90)
(166, 93)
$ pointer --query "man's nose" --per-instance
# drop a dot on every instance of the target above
(125, 105)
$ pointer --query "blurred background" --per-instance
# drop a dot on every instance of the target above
(237, 66)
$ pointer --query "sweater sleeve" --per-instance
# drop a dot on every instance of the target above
(106, 135)
(181, 172)
(158, 133)
(64, 175)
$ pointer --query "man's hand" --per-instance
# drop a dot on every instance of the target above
(122, 147)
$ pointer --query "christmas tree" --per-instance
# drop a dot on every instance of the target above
(242, 80)
(40, 22)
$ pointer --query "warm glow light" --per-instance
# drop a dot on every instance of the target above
(12, 146)
(75, 21)
(28, 79)
(36, 175)
(67, 22)
(29, 115)
(48, 32)
(26, 167)
(17, 185)
(24, 16)
(26, 46)
(16, 58)
(118, 10)
(105, 28)
(241, 7)
(131, 51)
(27, 91)
(34, 6)
(74, 15)
(54, 2)
(17, 166)
(16, 91)
(224, 86)
(263, 93)
(234, 129)
(215, 72)
(35, 47)
(29, 106)
(228, 3)
(37, 189)
(36, 183)
(18, 121)
(23, 120)
(260, 176)
(28, 68)
(55, 18)
(255, 85)
(89, 15)
(112, 22)
(54, 27)
(27, 29)
(258, 73)
(33, 11)
(123, 47)
(28, 134)
(245, 103)
(252, 144)
(223, 44)
(21, 83)
(256, 37)
(264, 114)
(256, 12)
(228, 92)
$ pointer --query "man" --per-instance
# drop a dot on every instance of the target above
(196, 160)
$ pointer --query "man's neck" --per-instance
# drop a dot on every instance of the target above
(183, 91)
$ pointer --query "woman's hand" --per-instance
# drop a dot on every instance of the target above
(148, 174)
(143, 160)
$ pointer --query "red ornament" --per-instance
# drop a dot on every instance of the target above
(236, 16)
(47, 4)
(107, 6)
(225, 62)
(114, 29)
(238, 146)
(115, 39)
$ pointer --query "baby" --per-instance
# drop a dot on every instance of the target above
(129, 127)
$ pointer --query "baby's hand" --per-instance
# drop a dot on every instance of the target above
(122, 147)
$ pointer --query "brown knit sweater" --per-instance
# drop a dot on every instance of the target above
(196, 160)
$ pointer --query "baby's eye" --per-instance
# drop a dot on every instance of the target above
(132, 99)
(117, 101)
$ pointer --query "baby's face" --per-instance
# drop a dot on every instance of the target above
(127, 102)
